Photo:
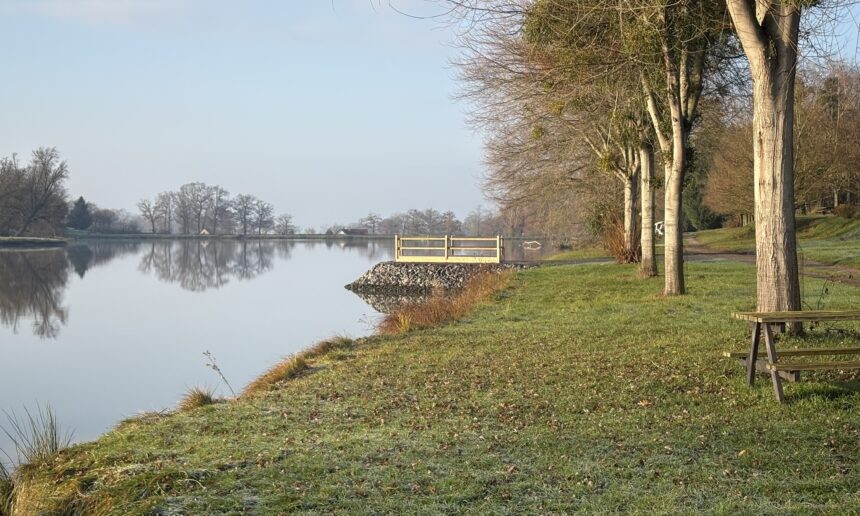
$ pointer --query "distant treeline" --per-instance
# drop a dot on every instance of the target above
(480, 221)
(200, 208)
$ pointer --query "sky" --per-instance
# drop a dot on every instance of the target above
(329, 109)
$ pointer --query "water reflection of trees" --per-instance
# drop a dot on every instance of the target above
(33, 282)
(32, 287)
(199, 265)
(83, 256)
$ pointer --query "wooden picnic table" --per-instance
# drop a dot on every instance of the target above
(768, 362)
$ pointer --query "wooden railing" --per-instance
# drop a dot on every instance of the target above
(445, 249)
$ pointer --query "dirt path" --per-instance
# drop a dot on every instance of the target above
(695, 251)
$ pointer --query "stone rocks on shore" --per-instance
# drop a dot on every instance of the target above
(390, 276)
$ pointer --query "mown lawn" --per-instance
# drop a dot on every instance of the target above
(828, 240)
(578, 388)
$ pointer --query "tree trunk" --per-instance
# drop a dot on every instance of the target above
(777, 282)
(630, 251)
(673, 266)
(769, 35)
(673, 218)
(648, 263)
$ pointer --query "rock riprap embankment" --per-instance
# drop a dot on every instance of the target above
(393, 276)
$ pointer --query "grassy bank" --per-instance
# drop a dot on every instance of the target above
(577, 388)
(828, 240)
(29, 242)
(585, 253)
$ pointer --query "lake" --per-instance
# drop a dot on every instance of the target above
(103, 330)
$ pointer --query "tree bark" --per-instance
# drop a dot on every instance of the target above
(769, 37)
(648, 263)
(630, 250)
(673, 264)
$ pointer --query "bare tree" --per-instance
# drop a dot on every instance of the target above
(149, 212)
(284, 224)
(244, 206)
(220, 209)
(165, 205)
(371, 222)
(263, 213)
(42, 192)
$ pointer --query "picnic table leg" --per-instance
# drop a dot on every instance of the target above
(753, 356)
(771, 358)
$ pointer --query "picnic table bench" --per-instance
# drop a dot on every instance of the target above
(767, 361)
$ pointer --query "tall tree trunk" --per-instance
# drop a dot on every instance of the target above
(673, 218)
(648, 263)
(777, 281)
(630, 251)
(769, 34)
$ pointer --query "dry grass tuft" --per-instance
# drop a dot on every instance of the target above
(287, 369)
(326, 346)
(195, 398)
(7, 488)
(612, 238)
(441, 309)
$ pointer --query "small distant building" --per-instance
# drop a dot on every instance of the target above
(204, 232)
(353, 231)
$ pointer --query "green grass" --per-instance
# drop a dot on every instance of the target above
(578, 388)
(584, 253)
(828, 240)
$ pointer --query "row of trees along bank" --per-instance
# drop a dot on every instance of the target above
(195, 207)
(578, 96)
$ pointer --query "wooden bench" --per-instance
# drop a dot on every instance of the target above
(767, 361)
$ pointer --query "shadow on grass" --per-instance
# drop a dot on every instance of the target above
(830, 391)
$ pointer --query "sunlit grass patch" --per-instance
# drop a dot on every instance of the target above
(196, 397)
(287, 369)
(323, 347)
(575, 389)
(442, 308)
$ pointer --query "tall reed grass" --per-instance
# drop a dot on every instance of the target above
(440, 308)
(7, 488)
(35, 435)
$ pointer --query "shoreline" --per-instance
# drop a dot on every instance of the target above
(31, 242)
(531, 403)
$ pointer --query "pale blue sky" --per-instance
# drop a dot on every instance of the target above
(326, 108)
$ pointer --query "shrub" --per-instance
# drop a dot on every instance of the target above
(846, 211)
(612, 238)
(440, 309)
(196, 397)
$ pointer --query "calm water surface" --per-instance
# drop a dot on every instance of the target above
(105, 330)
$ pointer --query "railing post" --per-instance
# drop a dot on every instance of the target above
(396, 248)
(446, 248)
(499, 248)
